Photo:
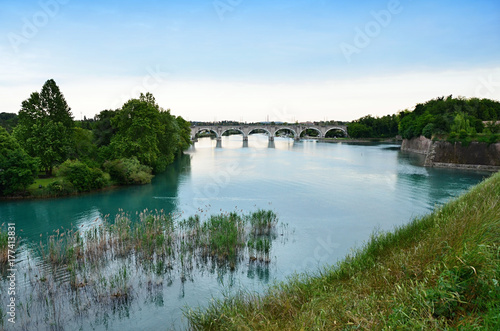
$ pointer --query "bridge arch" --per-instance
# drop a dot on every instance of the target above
(320, 134)
(337, 128)
(295, 136)
(261, 129)
(233, 129)
(201, 129)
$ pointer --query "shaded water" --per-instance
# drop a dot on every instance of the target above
(332, 196)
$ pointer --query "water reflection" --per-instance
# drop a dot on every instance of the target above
(43, 216)
(430, 187)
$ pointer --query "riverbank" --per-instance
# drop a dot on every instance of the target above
(360, 140)
(474, 155)
(439, 271)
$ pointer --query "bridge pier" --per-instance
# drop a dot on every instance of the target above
(296, 129)
(219, 143)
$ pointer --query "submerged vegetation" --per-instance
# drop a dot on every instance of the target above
(94, 270)
(441, 271)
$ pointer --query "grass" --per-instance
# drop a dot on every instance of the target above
(101, 269)
(41, 181)
(4, 249)
(441, 271)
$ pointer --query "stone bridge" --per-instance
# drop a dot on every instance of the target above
(271, 130)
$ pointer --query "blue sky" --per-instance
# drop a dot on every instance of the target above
(246, 60)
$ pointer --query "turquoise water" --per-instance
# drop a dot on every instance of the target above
(331, 195)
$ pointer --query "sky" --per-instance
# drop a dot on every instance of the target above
(250, 60)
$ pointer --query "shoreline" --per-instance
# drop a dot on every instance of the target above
(435, 272)
(48, 197)
(355, 140)
(476, 156)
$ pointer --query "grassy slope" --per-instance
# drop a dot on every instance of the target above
(440, 271)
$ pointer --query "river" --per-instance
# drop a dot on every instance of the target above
(331, 196)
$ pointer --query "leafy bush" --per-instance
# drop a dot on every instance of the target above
(428, 130)
(60, 187)
(463, 134)
(81, 176)
(128, 171)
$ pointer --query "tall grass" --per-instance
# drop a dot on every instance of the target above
(103, 268)
(4, 248)
(441, 271)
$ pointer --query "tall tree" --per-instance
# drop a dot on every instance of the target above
(17, 169)
(148, 132)
(46, 126)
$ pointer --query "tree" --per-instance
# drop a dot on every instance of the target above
(146, 131)
(46, 126)
(358, 130)
(137, 127)
(17, 169)
(83, 147)
(103, 129)
(8, 121)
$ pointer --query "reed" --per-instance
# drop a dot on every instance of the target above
(4, 248)
(102, 268)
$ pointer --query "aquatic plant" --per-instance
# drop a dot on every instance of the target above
(263, 221)
(4, 248)
(103, 267)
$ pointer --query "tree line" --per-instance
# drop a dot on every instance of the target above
(450, 118)
(123, 146)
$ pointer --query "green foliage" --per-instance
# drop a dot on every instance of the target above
(358, 130)
(445, 115)
(132, 142)
(374, 127)
(103, 129)
(17, 169)
(148, 132)
(428, 130)
(461, 124)
(83, 147)
(225, 234)
(81, 176)
(492, 127)
(128, 171)
(8, 121)
(60, 188)
(45, 126)
(262, 221)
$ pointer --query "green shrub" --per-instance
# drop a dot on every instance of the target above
(128, 171)
(81, 176)
(60, 187)
(428, 130)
